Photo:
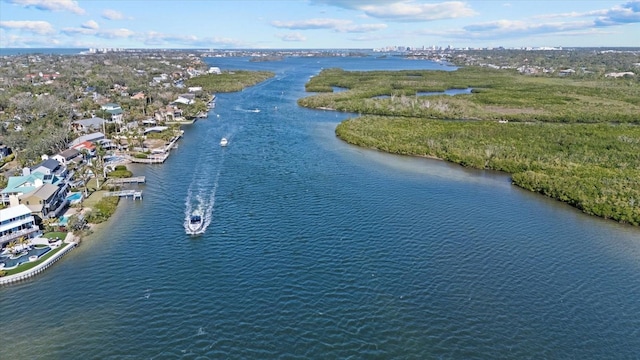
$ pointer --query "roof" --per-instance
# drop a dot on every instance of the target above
(26, 183)
(14, 211)
(117, 111)
(50, 164)
(89, 137)
(155, 128)
(43, 192)
(69, 153)
(95, 122)
(84, 145)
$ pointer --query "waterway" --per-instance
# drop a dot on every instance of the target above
(317, 249)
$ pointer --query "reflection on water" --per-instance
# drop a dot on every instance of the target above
(318, 249)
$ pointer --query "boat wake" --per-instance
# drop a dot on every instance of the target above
(255, 110)
(201, 198)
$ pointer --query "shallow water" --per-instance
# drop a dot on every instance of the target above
(317, 249)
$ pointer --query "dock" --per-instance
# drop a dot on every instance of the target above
(135, 194)
(153, 159)
(130, 180)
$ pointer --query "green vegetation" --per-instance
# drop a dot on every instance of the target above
(229, 81)
(574, 140)
(102, 210)
(120, 171)
(496, 95)
(54, 235)
(31, 264)
(594, 167)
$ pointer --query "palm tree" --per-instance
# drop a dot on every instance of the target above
(48, 224)
(11, 246)
(23, 241)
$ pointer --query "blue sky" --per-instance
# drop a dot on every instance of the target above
(300, 24)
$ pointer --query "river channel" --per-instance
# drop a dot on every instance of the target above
(314, 248)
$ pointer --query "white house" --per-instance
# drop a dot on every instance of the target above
(186, 99)
(15, 222)
(67, 156)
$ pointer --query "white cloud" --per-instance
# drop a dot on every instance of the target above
(572, 24)
(91, 24)
(78, 31)
(363, 28)
(405, 10)
(617, 15)
(112, 15)
(153, 38)
(291, 37)
(115, 33)
(51, 5)
(338, 25)
(37, 27)
(311, 24)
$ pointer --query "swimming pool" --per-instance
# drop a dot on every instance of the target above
(10, 263)
(74, 197)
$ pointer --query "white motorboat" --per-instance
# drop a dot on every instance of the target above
(224, 142)
(195, 222)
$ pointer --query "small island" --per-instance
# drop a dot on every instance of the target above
(573, 138)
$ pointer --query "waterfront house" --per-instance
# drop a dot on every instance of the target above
(155, 129)
(186, 99)
(28, 182)
(87, 147)
(47, 201)
(48, 167)
(169, 113)
(15, 222)
(67, 156)
(92, 138)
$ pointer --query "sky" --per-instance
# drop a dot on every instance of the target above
(317, 24)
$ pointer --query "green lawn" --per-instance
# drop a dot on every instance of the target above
(55, 234)
(30, 265)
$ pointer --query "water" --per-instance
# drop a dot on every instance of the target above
(318, 249)
(74, 197)
(45, 51)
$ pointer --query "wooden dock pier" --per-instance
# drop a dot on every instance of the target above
(135, 194)
(130, 180)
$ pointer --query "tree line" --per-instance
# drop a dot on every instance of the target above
(577, 141)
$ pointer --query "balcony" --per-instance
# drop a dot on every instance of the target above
(17, 234)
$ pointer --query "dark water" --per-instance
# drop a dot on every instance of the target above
(317, 249)
(47, 51)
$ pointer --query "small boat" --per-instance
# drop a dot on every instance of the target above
(195, 222)
(224, 142)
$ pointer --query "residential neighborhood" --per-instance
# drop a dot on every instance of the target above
(45, 185)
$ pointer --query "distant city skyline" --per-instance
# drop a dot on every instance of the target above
(317, 24)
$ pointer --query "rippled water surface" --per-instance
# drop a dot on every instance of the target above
(317, 249)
